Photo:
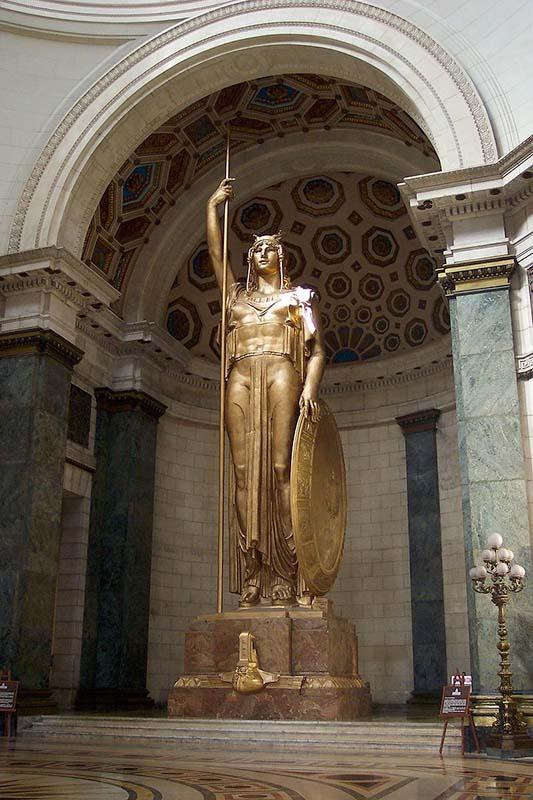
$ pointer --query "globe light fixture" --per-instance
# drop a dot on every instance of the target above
(509, 736)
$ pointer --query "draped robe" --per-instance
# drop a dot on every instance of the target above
(267, 528)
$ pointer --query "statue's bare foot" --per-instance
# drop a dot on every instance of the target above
(283, 593)
(250, 596)
(305, 600)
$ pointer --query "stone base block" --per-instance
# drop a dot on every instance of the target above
(312, 653)
(305, 699)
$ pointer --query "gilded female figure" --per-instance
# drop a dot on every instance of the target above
(275, 361)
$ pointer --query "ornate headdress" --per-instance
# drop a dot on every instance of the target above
(251, 278)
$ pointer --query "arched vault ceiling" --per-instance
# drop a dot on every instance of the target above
(349, 236)
(169, 161)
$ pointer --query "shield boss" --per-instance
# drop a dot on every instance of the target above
(318, 499)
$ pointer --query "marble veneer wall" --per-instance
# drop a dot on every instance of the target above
(455, 569)
(373, 587)
(35, 376)
(492, 469)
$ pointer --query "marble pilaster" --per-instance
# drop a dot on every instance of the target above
(115, 634)
(425, 552)
(35, 379)
(491, 457)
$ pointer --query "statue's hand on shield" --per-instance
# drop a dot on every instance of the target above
(309, 404)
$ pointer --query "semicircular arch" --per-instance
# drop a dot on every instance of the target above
(203, 54)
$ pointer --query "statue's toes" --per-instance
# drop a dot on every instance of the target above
(282, 592)
(250, 596)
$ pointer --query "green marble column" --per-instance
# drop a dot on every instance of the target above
(425, 553)
(115, 630)
(35, 375)
(491, 458)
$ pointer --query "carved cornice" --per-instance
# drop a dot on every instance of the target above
(116, 402)
(194, 381)
(385, 381)
(516, 160)
(45, 283)
(419, 421)
(476, 276)
(79, 282)
(138, 339)
(338, 8)
(39, 342)
(435, 200)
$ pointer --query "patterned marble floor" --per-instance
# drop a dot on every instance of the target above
(32, 770)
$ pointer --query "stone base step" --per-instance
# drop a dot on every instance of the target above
(357, 735)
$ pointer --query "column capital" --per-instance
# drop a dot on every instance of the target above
(419, 421)
(14, 344)
(131, 400)
(476, 276)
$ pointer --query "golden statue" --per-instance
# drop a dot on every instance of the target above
(274, 364)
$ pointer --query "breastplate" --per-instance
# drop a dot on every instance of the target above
(274, 330)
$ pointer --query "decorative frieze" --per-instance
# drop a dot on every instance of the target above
(476, 276)
(524, 367)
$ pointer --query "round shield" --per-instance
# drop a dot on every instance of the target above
(318, 499)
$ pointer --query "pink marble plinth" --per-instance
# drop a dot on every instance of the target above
(313, 651)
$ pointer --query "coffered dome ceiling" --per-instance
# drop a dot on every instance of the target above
(349, 237)
(346, 234)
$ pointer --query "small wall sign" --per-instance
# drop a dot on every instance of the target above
(8, 698)
(8, 695)
(455, 702)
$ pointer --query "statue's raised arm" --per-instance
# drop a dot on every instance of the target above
(214, 235)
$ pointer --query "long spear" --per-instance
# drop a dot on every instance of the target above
(221, 432)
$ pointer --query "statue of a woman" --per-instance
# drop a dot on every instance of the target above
(275, 361)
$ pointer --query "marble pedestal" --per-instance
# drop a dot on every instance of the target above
(313, 651)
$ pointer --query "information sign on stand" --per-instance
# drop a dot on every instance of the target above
(8, 698)
(455, 702)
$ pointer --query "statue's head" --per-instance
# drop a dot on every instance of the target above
(266, 256)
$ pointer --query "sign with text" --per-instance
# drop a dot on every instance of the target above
(461, 678)
(455, 701)
(8, 695)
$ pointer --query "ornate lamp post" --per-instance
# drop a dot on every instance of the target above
(509, 736)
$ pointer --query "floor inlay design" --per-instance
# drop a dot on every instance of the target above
(61, 770)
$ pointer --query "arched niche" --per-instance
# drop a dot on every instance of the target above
(350, 40)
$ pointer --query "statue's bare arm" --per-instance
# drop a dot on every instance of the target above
(315, 370)
(214, 234)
